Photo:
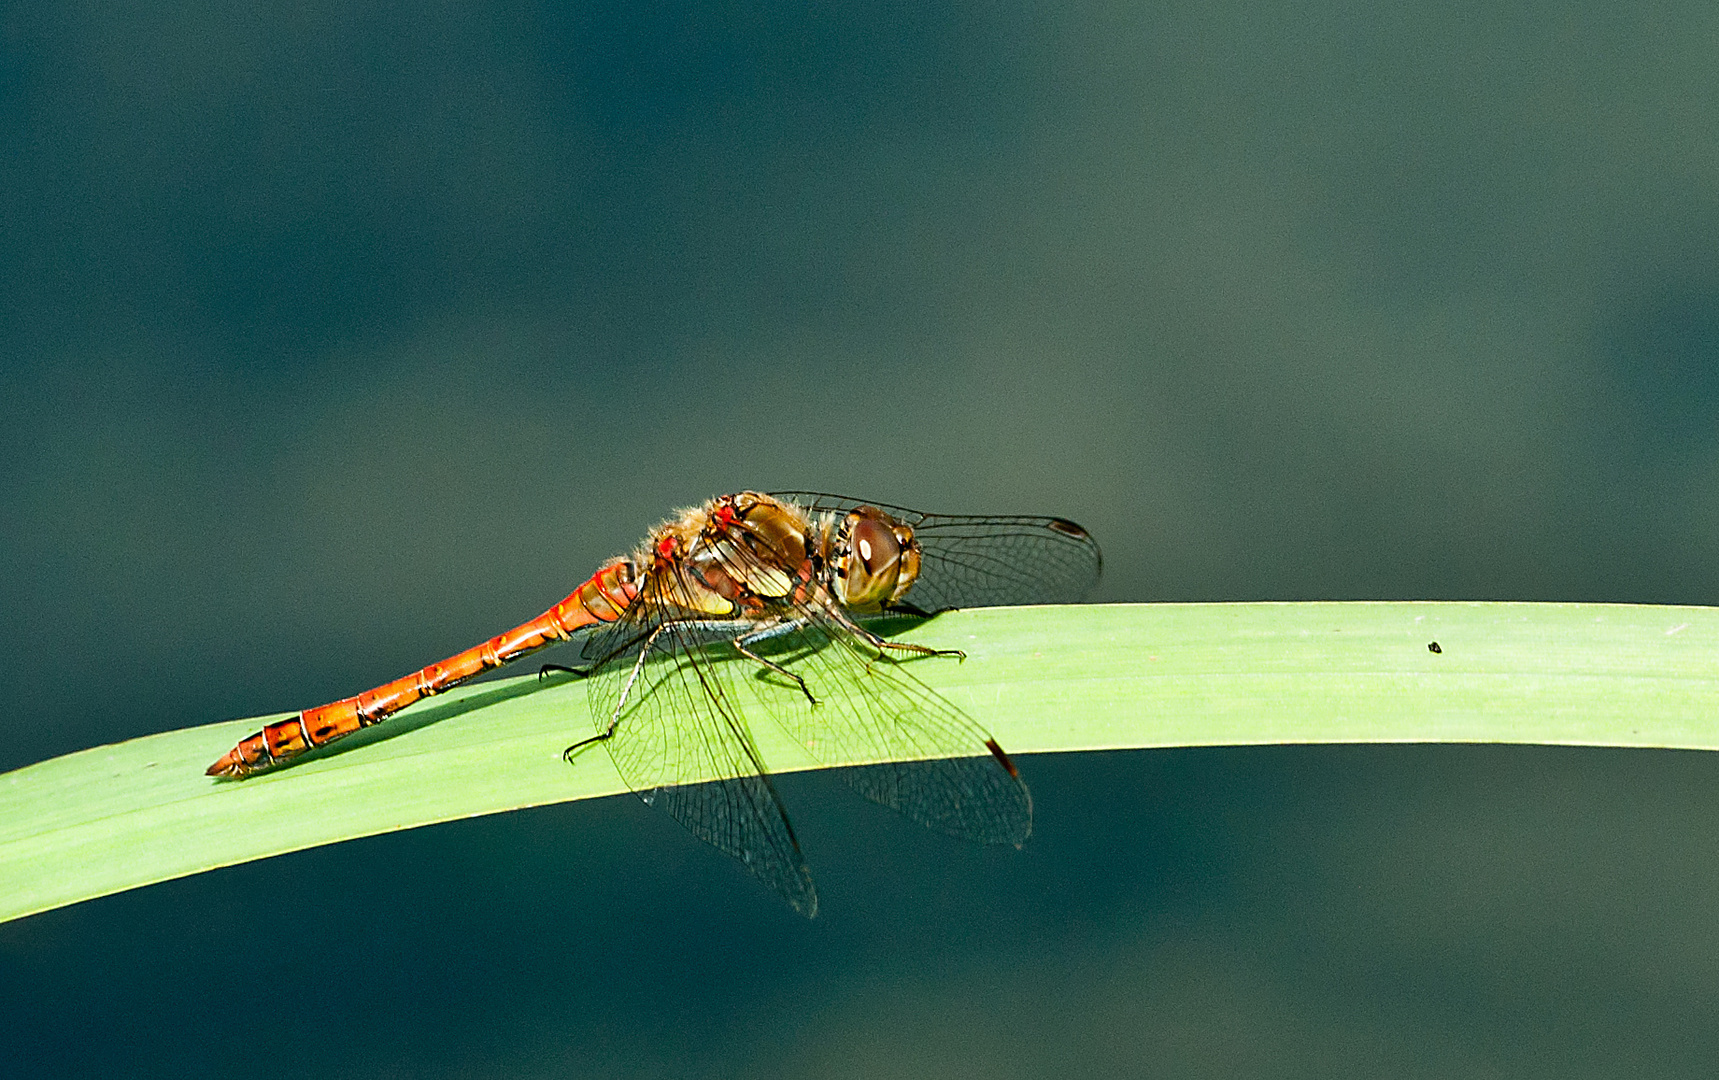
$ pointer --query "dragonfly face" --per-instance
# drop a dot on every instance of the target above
(872, 560)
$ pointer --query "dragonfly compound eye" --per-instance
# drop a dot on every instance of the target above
(874, 563)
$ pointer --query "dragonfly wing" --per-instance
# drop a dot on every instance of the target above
(870, 707)
(986, 561)
(677, 724)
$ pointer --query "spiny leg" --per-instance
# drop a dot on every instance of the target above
(882, 644)
(608, 732)
(777, 668)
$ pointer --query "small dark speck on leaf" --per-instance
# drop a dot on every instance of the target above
(1432, 646)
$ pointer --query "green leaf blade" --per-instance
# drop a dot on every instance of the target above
(1041, 679)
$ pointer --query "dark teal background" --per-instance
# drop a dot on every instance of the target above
(336, 337)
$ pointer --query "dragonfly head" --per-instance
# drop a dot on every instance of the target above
(874, 560)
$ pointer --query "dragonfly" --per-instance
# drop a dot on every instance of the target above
(792, 589)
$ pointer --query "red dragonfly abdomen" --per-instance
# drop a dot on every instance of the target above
(601, 599)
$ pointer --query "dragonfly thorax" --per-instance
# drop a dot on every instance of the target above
(753, 547)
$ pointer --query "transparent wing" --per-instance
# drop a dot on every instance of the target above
(986, 561)
(666, 684)
(869, 706)
(664, 676)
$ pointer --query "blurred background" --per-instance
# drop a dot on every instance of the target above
(335, 337)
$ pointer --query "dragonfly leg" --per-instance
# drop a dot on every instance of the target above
(567, 754)
(883, 644)
(608, 732)
(547, 668)
(777, 668)
(918, 650)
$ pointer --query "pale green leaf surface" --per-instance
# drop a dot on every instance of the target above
(1042, 679)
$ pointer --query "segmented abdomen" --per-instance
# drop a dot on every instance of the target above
(601, 599)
